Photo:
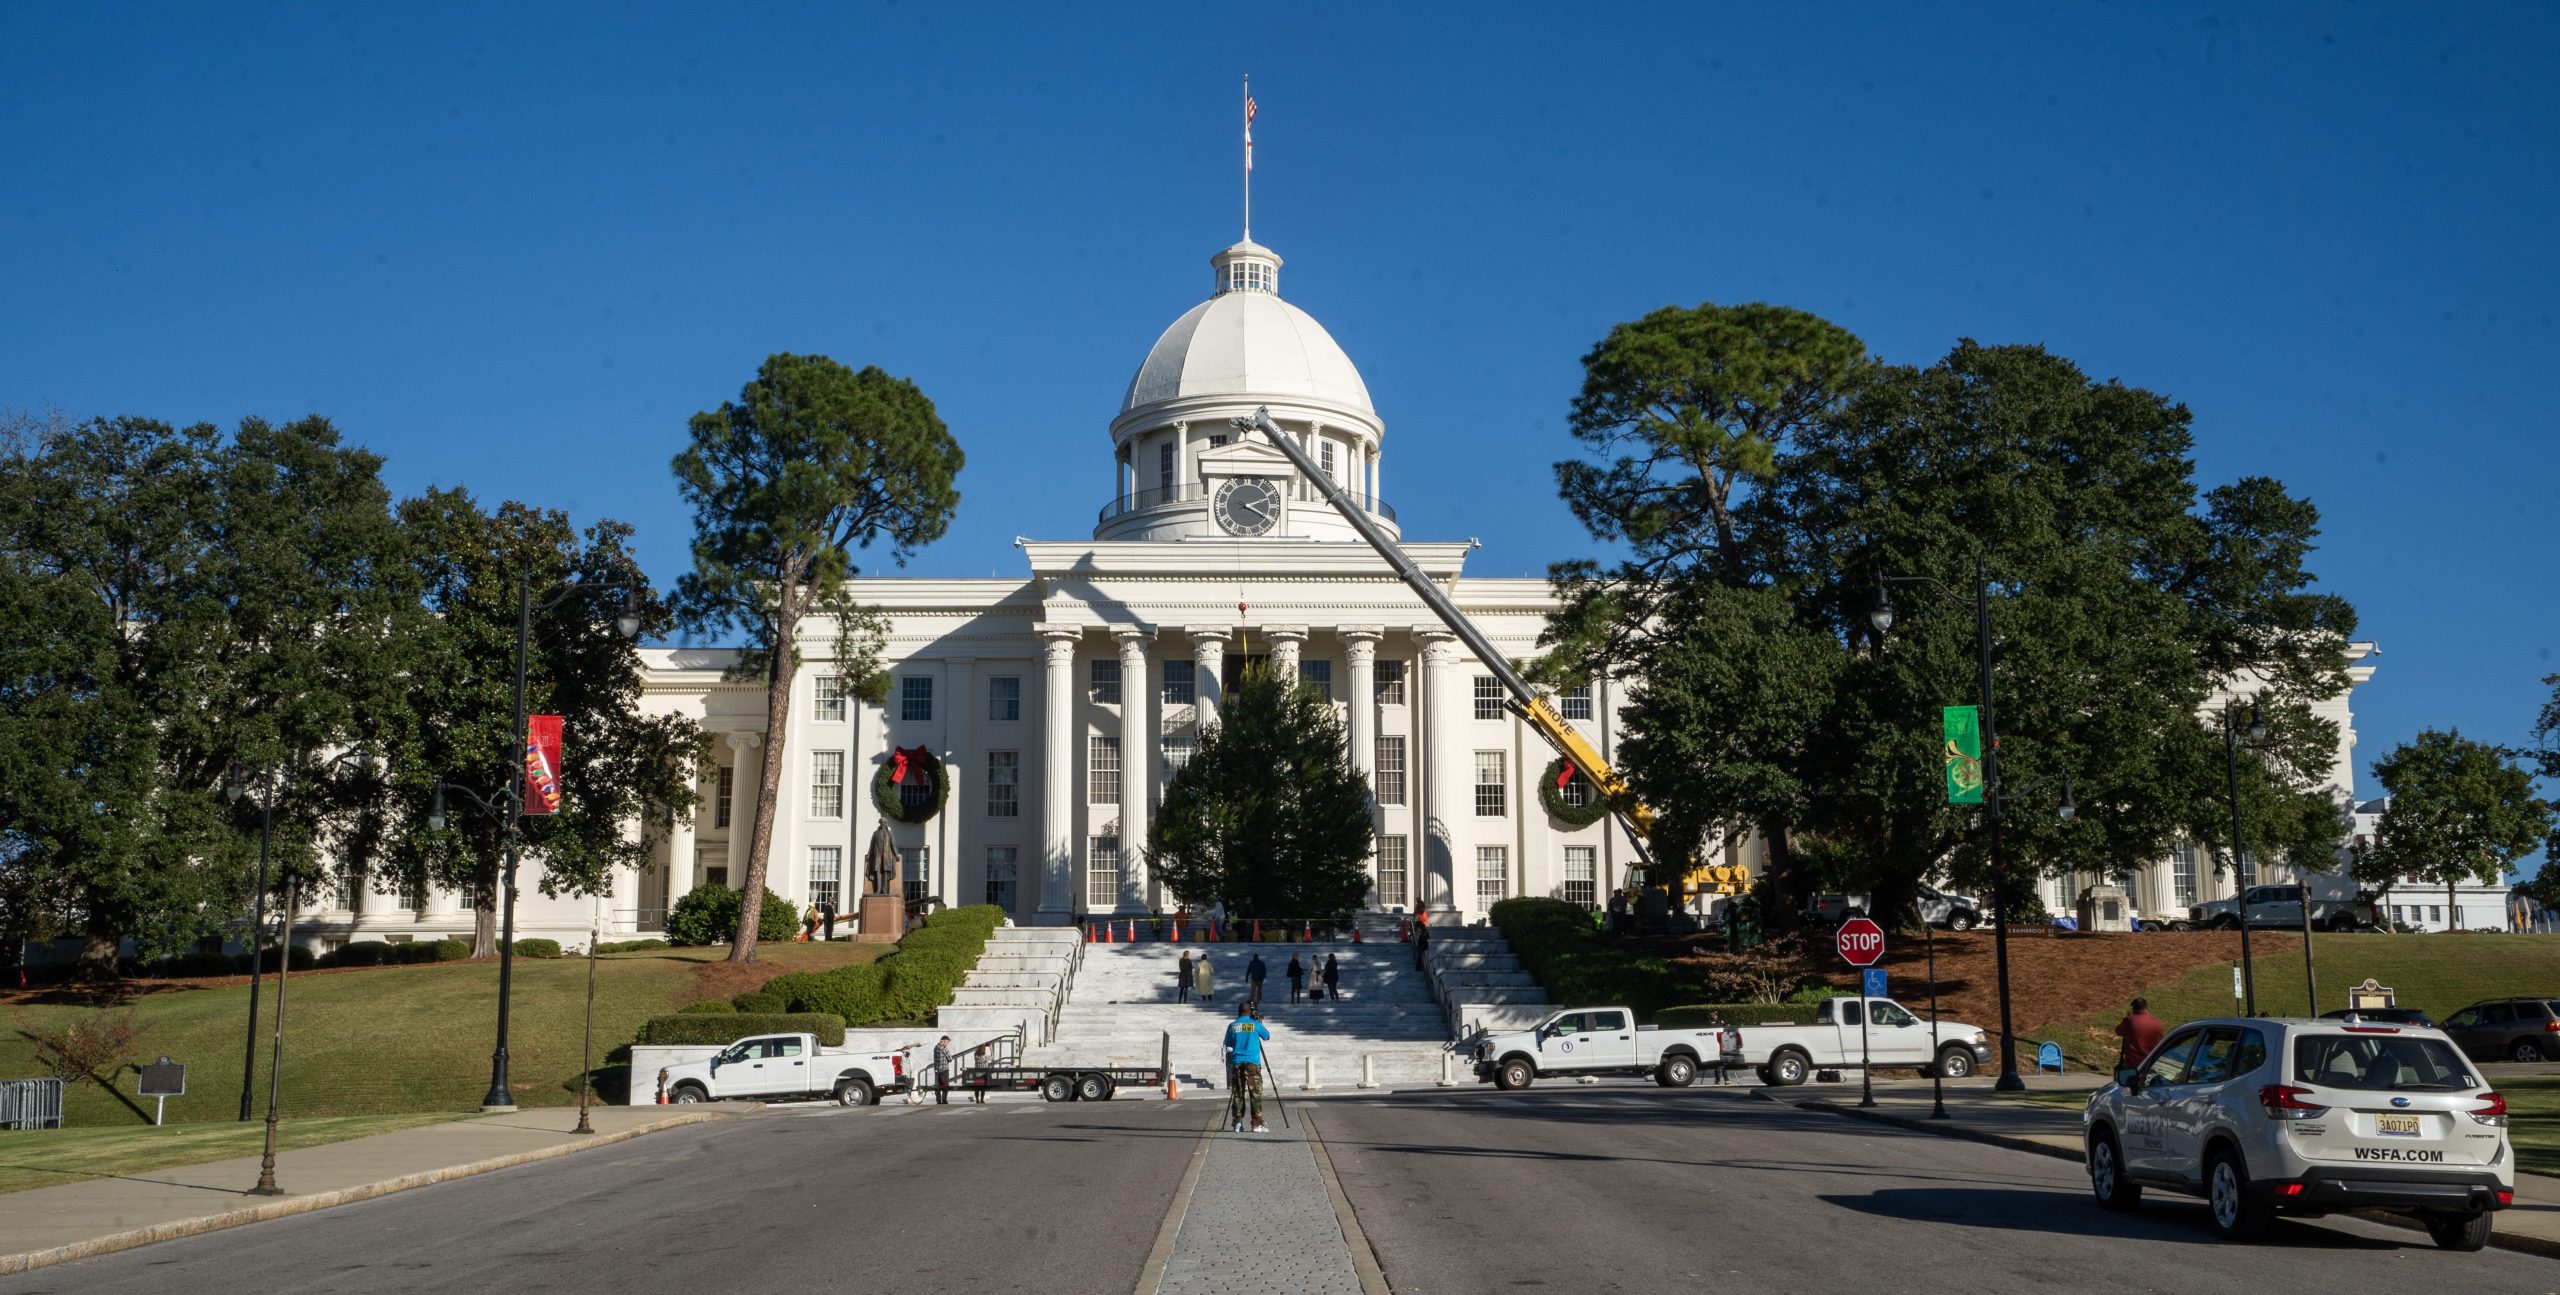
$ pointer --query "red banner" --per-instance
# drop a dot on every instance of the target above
(542, 764)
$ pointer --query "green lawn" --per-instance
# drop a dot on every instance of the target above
(2438, 974)
(55, 1156)
(400, 1039)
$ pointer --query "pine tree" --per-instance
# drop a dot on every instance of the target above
(1268, 818)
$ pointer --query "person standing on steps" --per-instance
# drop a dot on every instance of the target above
(1254, 974)
(1182, 980)
(1245, 1037)
(1333, 977)
(1297, 978)
(1202, 984)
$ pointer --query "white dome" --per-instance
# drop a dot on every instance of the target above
(1248, 343)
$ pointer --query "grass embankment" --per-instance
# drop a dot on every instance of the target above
(56, 1156)
(396, 1040)
(2437, 974)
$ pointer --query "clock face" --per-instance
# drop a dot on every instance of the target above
(1247, 506)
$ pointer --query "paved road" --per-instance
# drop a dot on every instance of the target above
(1606, 1189)
(1621, 1189)
(951, 1198)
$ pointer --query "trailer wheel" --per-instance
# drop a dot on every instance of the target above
(1058, 1088)
(1677, 1071)
(1093, 1088)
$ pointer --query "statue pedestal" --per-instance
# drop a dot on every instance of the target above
(882, 920)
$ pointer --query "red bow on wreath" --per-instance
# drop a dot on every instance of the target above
(898, 761)
(1564, 775)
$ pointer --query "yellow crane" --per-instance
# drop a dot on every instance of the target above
(1528, 703)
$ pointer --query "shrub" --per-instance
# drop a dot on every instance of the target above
(1556, 943)
(301, 959)
(629, 946)
(758, 1002)
(360, 953)
(709, 915)
(95, 1045)
(707, 1007)
(191, 966)
(447, 950)
(697, 1028)
(537, 948)
(907, 984)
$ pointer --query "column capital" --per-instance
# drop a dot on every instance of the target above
(1368, 634)
(745, 741)
(1204, 635)
(1285, 633)
(1058, 630)
(1133, 638)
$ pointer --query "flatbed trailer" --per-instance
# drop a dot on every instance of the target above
(1061, 1083)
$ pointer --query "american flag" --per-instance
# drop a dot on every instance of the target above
(1248, 132)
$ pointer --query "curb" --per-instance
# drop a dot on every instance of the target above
(2545, 1248)
(132, 1237)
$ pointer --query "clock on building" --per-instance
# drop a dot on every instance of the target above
(1247, 506)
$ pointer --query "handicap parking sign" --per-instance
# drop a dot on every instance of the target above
(1874, 978)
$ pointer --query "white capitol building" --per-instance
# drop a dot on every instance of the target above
(1059, 701)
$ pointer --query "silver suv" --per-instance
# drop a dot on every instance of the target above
(2267, 1116)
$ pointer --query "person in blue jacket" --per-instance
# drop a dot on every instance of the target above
(1245, 1037)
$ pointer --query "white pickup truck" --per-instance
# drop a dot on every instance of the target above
(1789, 1054)
(1594, 1041)
(784, 1066)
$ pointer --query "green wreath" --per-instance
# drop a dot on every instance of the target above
(884, 793)
(1552, 796)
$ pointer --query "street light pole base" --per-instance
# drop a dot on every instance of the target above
(269, 1190)
(494, 1109)
(2009, 1083)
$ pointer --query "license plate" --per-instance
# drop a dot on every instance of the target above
(2398, 1126)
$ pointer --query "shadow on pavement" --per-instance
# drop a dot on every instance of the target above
(2180, 1222)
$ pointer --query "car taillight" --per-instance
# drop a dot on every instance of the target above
(2373, 1029)
(2289, 1189)
(897, 1066)
(2506, 1196)
(2551, 1027)
(2284, 1102)
(2491, 1110)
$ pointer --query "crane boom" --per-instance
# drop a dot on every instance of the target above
(1526, 702)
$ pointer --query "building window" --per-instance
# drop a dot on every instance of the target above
(826, 871)
(1004, 877)
(1390, 763)
(826, 784)
(1004, 784)
(915, 699)
(1317, 675)
(1106, 681)
(1181, 683)
(826, 693)
(2435, 912)
(1177, 753)
(917, 863)
(1576, 701)
(2182, 873)
(1102, 771)
(1493, 787)
(728, 795)
(1488, 697)
(1217, 439)
(1004, 698)
(1324, 458)
(1577, 790)
(1391, 872)
(1582, 875)
(342, 891)
(918, 793)
(1493, 875)
(1102, 873)
(1390, 685)
(1164, 469)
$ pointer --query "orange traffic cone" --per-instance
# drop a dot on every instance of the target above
(1172, 1088)
(1132, 936)
(1177, 930)
(1307, 933)
(1257, 930)
(1355, 935)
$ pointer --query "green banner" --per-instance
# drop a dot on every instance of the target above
(1964, 755)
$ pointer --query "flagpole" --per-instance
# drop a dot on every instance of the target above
(1246, 107)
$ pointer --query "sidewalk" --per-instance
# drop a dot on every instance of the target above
(51, 1225)
(1976, 1113)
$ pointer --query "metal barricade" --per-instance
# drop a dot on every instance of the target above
(30, 1103)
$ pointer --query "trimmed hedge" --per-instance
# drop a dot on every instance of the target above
(301, 959)
(909, 983)
(189, 966)
(709, 915)
(699, 1028)
(630, 946)
(707, 1007)
(758, 1001)
(1557, 943)
(535, 947)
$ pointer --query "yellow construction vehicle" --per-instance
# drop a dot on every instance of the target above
(1526, 702)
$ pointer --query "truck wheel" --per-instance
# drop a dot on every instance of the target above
(2226, 922)
(1960, 920)
(688, 1094)
(2106, 1175)
(855, 1092)
(1058, 1088)
(1514, 1076)
(1955, 1063)
(1787, 1069)
(2343, 922)
(1677, 1072)
(1092, 1088)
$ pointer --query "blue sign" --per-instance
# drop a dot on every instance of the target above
(1874, 978)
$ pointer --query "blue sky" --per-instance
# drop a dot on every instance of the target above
(514, 247)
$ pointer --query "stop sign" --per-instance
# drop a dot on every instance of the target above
(1861, 942)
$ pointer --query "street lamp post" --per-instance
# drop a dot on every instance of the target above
(2240, 857)
(587, 1050)
(233, 787)
(1882, 618)
(500, 1097)
(233, 784)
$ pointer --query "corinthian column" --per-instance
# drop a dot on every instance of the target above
(1445, 766)
(1057, 769)
(1360, 643)
(1285, 642)
(1137, 768)
(742, 803)
(1208, 666)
